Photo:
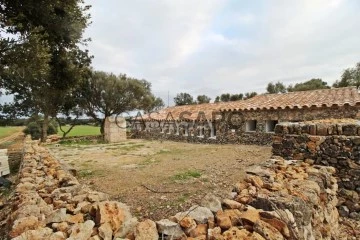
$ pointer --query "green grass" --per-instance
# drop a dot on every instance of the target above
(81, 130)
(186, 175)
(7, 131)
(73, 143)
(86, 173)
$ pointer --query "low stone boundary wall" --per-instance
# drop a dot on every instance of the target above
(278, 200)
(255, 138)
(329, 144)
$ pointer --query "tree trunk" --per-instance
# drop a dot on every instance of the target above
(102, 128)
(45, 127)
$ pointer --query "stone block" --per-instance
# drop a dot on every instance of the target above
(115, 129)
(312, 129)
(281, 129)
(349, 129)
(321, 129)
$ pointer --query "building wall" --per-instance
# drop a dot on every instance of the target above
(231, 128)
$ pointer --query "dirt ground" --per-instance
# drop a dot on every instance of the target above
(158, 179)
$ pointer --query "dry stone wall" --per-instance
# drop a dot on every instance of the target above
(229, 138)
(230, 126)
(329, 144)
(278, 200)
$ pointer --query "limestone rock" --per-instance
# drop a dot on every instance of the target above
(24, 224)
(211, 202)
(127, 228)
(215, 234)
(228, 203)
(267, 231)
(223, 220)
(81, 231)
(344, 211)
(187, 222)
(199, 231)
(170, 228)
(199, 214)
(250, 216)
(58, 236)
(96, 197)
(78, 218)
(62, 227)
(255, 181)
(40, 233)
(57, 216)
(146, 230)
(234, 233)
(105, 231)
(114, 213)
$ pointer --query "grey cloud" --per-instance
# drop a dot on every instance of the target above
(174, 45)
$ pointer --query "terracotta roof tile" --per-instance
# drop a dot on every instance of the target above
(304, 99)
(316, 98)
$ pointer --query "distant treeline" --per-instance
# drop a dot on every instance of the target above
(64, 121)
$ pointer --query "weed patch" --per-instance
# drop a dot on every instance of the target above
(85, 173)
(150, 161)
(186, 175)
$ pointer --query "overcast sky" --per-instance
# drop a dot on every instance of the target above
(218, 46)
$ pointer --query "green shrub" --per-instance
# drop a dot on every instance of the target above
(35, 128)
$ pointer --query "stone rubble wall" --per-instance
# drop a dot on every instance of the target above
(229, 138)
(278, 200)
(231, 128)
(329, 144)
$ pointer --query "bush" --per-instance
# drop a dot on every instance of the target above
(35, 129)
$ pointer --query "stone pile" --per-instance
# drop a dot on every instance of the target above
(279, 200)
(329, 144)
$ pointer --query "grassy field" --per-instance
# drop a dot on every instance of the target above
(81, 130)
(7, 131)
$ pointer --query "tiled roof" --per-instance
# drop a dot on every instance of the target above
(304, 99)
(189, 112)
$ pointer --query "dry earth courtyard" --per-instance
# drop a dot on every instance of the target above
(156, 178)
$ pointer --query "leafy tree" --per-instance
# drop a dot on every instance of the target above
(41, 62)
(312, 84)
(250, 95)
(203, 99)
(276, 88)
(183, 99)
(236, 97)
(34, 129)
(106, 94)
(350, 77)
(225, 97)
(155, 104)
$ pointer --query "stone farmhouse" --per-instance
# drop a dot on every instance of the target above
(250, 121)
